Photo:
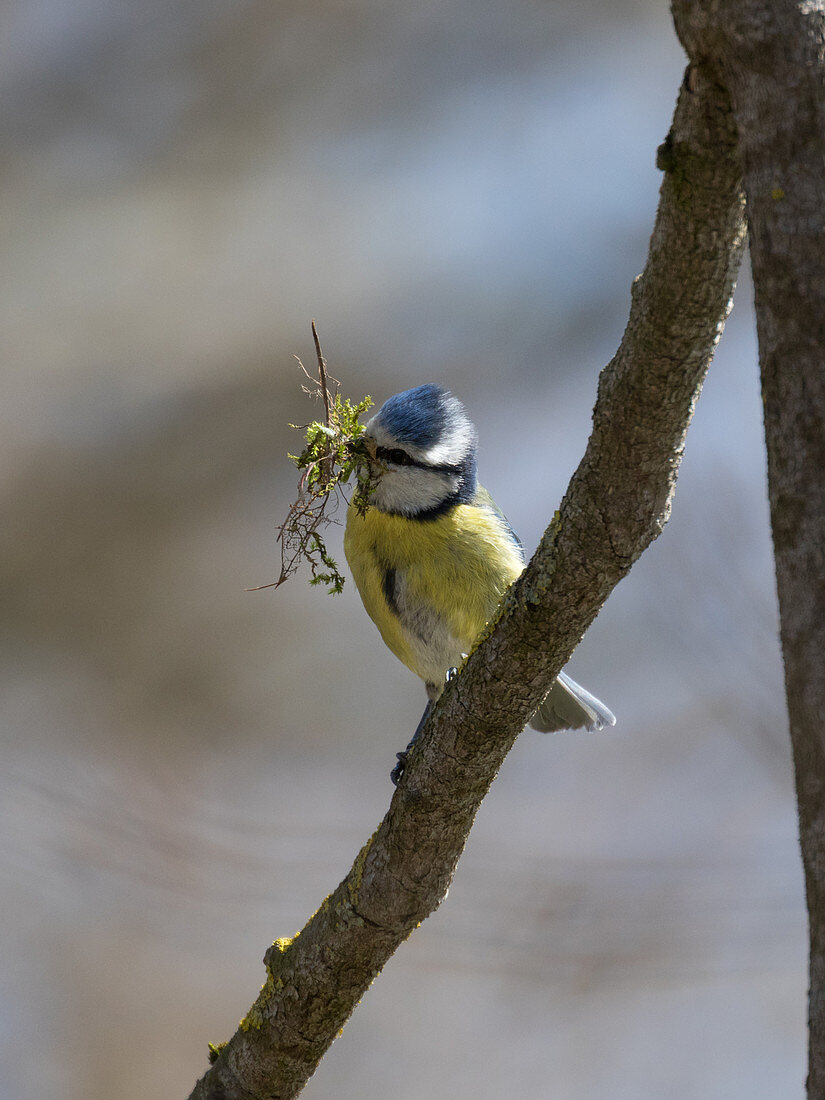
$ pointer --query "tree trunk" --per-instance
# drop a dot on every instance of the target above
(771, 56)
(782, 128)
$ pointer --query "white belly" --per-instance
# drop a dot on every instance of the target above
(434, 647)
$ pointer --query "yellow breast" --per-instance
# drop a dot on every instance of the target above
(450, 573)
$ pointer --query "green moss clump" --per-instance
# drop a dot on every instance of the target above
(333, 455)
(215, 1050)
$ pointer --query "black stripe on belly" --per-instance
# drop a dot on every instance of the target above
(388, 588)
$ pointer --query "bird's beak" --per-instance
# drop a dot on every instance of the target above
(362, 448)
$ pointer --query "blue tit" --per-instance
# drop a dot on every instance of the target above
(433, 555)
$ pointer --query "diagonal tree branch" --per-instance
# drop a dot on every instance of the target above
(617, 503)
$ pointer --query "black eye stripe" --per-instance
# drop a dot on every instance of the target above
(395, 455)
(398, 457)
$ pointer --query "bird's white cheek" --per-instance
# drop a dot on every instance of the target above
(410, 490)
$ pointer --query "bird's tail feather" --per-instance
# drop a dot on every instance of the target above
(568, 706)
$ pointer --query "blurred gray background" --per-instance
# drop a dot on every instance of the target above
(459, 192)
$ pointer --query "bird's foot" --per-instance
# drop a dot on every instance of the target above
(398, 771)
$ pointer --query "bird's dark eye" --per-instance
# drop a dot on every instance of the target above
(395, 455)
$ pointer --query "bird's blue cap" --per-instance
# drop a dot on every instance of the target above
(416, 416)
(429, 419)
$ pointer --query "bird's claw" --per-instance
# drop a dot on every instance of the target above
(398, 771)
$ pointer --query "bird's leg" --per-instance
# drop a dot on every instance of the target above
(398, 770)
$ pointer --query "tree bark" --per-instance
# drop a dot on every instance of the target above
(770, 54)
(617, 503)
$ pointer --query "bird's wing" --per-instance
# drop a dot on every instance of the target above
(482, 499)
